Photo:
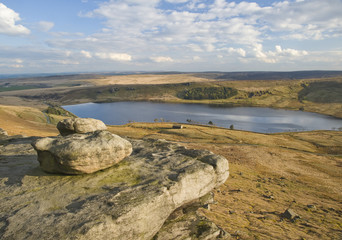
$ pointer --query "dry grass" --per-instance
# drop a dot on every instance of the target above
(147, 79)
(268, 174)
(25, 121)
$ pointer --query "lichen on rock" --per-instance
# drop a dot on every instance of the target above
(131, 200)
(79, 125)
(81, 153)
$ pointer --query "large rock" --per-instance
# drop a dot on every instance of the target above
(131, 200)
(81, 153)
(79, 125)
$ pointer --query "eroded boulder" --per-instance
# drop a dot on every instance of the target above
(79, 125)
(3, 132)
(81, 153)
(131, 200)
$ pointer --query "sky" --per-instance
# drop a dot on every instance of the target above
(49, 36)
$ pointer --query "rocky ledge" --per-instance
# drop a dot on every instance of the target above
(130, 200)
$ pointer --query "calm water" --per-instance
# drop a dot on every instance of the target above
(264, 120)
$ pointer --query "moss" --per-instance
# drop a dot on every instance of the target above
(120, 174)
(202, 227)
(56, 110)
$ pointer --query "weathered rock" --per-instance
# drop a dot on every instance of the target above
(3, 132)
(81, 153)
(131, 200)
(191, 226)
(185, 223)
(79, 125)
(291, 214)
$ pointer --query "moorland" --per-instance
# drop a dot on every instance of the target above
(269, 172)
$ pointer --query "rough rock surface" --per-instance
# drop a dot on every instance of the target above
(3, 132)
(130, 200)
(81, 153)
(185, 223)
(79, 125)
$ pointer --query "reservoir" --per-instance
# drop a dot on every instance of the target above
(263, 120)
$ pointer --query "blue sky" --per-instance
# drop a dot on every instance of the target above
(49, 36)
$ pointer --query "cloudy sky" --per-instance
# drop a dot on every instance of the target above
(46, 36)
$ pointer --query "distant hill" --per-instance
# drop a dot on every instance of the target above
(269, 75)
(262, 75)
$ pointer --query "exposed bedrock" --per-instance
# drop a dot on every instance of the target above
(130, 200)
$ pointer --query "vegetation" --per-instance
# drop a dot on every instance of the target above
(322, 92)
(20, 87)
(207, 93)
(56, 110)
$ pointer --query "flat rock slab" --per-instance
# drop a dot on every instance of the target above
(131, 200)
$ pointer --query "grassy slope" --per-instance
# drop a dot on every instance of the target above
(28, 121)
(269, 173)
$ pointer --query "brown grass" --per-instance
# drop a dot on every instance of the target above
(268, 174)
(25, 121)
(147, 79)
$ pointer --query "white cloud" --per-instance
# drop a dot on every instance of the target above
(65, 62)
(206, 33)
(11, 65)
(67, 34)
(196, 58)
(177, 1)
(86, 54)
(238, 51)
(314, 19)
(290, 52)
(161, 59)
(18, 60)
(8, 19)
(45, 26)
(278, 55)
(114, 56)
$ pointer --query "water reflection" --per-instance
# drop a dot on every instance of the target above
(265, 120)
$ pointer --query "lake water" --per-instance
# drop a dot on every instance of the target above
(264, 120)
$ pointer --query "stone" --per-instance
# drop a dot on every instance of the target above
(79, 125)
(191, 226)
(130, 200)
(3, 132)
(291, 214)
(311, 206)
(177, 126)
(81, 153)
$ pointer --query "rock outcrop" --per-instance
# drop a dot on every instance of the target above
(3, 132)
(81, 153)
(130, 200)
(79, 125)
